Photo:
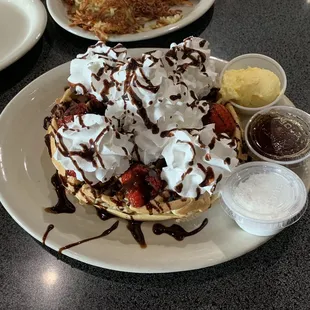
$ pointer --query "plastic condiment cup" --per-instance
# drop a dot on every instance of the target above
(259, 61)
(291, 113)
(298, 162)
(263, 198)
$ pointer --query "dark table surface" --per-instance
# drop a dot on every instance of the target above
(275, 276)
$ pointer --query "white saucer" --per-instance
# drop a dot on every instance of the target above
(58, 11)
(22, 23)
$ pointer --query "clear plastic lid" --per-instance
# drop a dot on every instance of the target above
(264, 196)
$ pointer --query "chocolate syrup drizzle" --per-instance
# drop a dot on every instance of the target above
(89, 153)
(209, 175)
(135, 228)
(63, 204)
(176, 231)
(48, 229)
(104, 234)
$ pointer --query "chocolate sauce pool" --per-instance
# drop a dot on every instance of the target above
(63, 204)
(135, 228)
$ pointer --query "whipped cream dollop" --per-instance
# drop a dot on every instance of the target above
(156, 102)
(197, 161)
(157, 83)
(92, 148)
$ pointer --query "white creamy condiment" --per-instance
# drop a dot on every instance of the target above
(265, 196)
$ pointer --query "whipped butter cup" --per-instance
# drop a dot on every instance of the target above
(259, 61)
(264, 198)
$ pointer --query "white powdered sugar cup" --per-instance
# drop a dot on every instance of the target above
(264, 198)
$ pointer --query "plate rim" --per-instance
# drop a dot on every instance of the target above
(190, 18)
(80, 257)
(34, 34)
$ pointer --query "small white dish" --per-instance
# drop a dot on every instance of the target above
(259, 61)
(22, 23)
(281, 202)
(58, 12)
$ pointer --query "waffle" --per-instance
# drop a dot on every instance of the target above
(165, 206)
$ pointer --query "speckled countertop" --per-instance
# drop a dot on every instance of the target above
(275, 276)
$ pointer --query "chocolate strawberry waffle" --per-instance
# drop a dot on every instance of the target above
(144, 138)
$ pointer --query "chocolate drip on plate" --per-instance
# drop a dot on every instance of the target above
(176, 231)
(104, 234)
(48, 229)
(63, 205)
(135, 228)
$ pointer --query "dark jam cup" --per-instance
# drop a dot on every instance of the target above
(281, 135)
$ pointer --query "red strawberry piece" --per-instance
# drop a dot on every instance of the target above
(71, 173)
(222, 118)
(135, 171)
(135, 197)
(156, 183)
(141, 184)
(63, 121)
(77, 109)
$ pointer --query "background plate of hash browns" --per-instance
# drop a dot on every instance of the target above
(125, 20)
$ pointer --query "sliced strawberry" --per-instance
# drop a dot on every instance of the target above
(135, 170)
(141, 184)
(71, 173)
(77, 109)
(156, 183)
(136, 198)
(222, 118)
(63, 121)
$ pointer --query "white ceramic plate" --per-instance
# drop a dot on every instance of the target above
(22, 23)
(58, 11)
(25, 173)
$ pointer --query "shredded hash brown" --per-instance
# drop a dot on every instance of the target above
(106, 17)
